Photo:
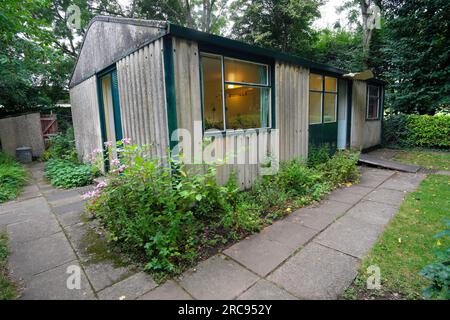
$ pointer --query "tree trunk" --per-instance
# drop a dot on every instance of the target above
(367, 30)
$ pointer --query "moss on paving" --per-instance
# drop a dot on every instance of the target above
(407, 244)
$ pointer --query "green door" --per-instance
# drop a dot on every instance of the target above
(323, 110)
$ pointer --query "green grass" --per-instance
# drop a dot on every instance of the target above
(407, 244)
(12, 178)
(7, 290)
(427, 159)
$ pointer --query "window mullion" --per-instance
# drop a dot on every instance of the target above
(223, 95)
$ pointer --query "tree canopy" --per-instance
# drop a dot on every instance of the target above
(410, 50)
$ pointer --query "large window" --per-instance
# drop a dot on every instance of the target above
(236, 93)
(322, 99)
(373, 102)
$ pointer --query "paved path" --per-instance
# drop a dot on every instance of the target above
(314, 253)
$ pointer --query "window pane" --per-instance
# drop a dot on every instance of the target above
(246, 107)
(372, 108)
(315, 107)
(212, 92)
(329, 107)
(373, 91)
(315, 82)
(330, 84)
(240, 71)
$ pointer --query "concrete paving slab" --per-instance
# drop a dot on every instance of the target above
(316, 272)
(392, 197)
(259, 254)
(71, 218)
(290, 232)
(345, 196)
(32, 229)
(70, 207)
(39, 255)
(169, 290)
(63, 195)
(104, 274)
(217, 278)
(351, 236)
(129, 288)
(320, 216)
(372, 212)
(265, 290)
(52, 285)
(403, 181)
(374, 177)
(28, 192)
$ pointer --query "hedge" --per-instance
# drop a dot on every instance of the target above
(417, 131)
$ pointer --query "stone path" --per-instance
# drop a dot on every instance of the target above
(314, 253)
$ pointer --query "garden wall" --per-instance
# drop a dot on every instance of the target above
(22, 131)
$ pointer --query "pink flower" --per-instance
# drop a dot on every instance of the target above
(101, 185)
(98, 150)
(108, 144)
(119, 169)
(126, 140)
(90, 194)
(115, 162)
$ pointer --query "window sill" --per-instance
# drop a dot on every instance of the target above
(234, 132)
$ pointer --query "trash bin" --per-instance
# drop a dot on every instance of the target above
(24, 155)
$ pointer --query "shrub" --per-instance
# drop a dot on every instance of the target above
(170, 215)
(7, 289)
(12, 177)
(341, 168)
(67, 174)
(417, 131)
(62, 146)
(318, 154)
(296, 179)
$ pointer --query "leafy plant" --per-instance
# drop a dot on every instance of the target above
(7, 290)
(12, 177)
(67, 174)
(170, 215)
(417, 131)
(62, 146)
(439, 272)
(318, 154)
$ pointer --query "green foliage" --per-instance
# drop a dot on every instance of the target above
(7, 290)
(171, 215)
(341, 168)
(415, 55)
(417, 131)
(318, 154)
(67, 174)
(62, 146)
(438, 273)
(278, 24)
(12, 178)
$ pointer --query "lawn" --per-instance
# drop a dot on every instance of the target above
(428, 159)
(12, 178)
(407, 244)
(7, 290)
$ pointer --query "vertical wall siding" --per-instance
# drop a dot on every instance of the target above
(86, 119)
(292, 103)
(358, 114)
(143, 99)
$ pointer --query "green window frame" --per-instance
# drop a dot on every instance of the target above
(324, 94)
(266, 85)
(371, 97)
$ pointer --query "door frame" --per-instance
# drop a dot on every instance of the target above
(116, 107)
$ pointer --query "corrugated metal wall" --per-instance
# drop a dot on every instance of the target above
(143, 98)
(291, 117)
(292, 99)
(85, 117)
(364, 134)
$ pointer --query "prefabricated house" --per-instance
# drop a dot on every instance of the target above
(154, 82)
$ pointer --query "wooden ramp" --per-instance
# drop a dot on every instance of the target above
(388, 164)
